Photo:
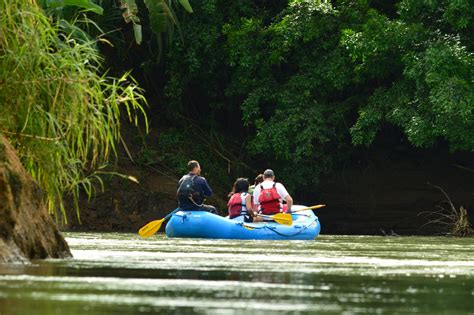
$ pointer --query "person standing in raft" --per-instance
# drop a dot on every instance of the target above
(240, 202)
(268, 196)
(192, 189)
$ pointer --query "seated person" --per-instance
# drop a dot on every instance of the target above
(240, 202)
(192, 189)
(258, 180)
(269, 195)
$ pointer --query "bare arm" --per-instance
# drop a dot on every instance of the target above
(289, 202)
(252, 212)
(248, 204)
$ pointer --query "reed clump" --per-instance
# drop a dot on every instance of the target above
(455, 220)
(57, 107)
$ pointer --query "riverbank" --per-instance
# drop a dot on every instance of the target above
(27, 231)
(378, 193)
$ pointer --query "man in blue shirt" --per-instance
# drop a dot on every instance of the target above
(192, 189)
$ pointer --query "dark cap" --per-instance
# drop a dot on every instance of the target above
(268, 173)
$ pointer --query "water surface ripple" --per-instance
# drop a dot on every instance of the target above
(117, 273)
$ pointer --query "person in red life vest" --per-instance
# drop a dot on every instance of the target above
(268, 196)
(240, 202)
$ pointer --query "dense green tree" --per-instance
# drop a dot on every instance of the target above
(276, 76)
(423, 70)
(298, 83)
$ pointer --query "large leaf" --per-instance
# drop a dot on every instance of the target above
(131, 15)
(85, 4)
(162, 17)
(131, 11)
(185, 4)
(160, 13)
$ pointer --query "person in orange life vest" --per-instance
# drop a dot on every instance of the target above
(240, 202)
(268, 196)
(192, 189)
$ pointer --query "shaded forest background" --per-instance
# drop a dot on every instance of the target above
(362, 105)
(357, 104)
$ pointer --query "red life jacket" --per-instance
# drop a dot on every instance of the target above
(269, 200)
(236, 205)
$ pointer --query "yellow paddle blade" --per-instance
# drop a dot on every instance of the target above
(151, 228)
(283, 218)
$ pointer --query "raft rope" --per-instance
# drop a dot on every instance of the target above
(273, 228)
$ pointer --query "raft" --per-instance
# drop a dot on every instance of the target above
(202, 224)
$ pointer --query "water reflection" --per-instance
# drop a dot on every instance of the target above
(121, 273)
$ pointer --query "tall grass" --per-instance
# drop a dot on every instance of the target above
(57, 107)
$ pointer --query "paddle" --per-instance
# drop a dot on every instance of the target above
(281, 218)
(308, 208)
(285, 218)
(153, 226)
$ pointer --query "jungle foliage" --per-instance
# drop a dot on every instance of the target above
(58, 106)
(295, 85)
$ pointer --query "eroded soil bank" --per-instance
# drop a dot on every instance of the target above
(26, 229)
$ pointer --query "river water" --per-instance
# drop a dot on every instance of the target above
(122, 274)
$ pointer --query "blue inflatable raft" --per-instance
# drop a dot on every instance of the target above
(202, 224)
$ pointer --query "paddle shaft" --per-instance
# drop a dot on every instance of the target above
(289, 218)
(308, 208)
(171, 213)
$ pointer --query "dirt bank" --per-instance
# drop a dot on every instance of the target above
(26, 229)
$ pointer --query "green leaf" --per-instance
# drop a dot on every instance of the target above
(158, 15)
(131, 15)
(131, 11)
(85, 4)
(185, 4)
(137, 31)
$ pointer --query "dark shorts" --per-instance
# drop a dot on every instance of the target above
(248, 218)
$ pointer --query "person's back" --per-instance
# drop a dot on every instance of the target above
(268, 195)
(237, 205)
(192, 190)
